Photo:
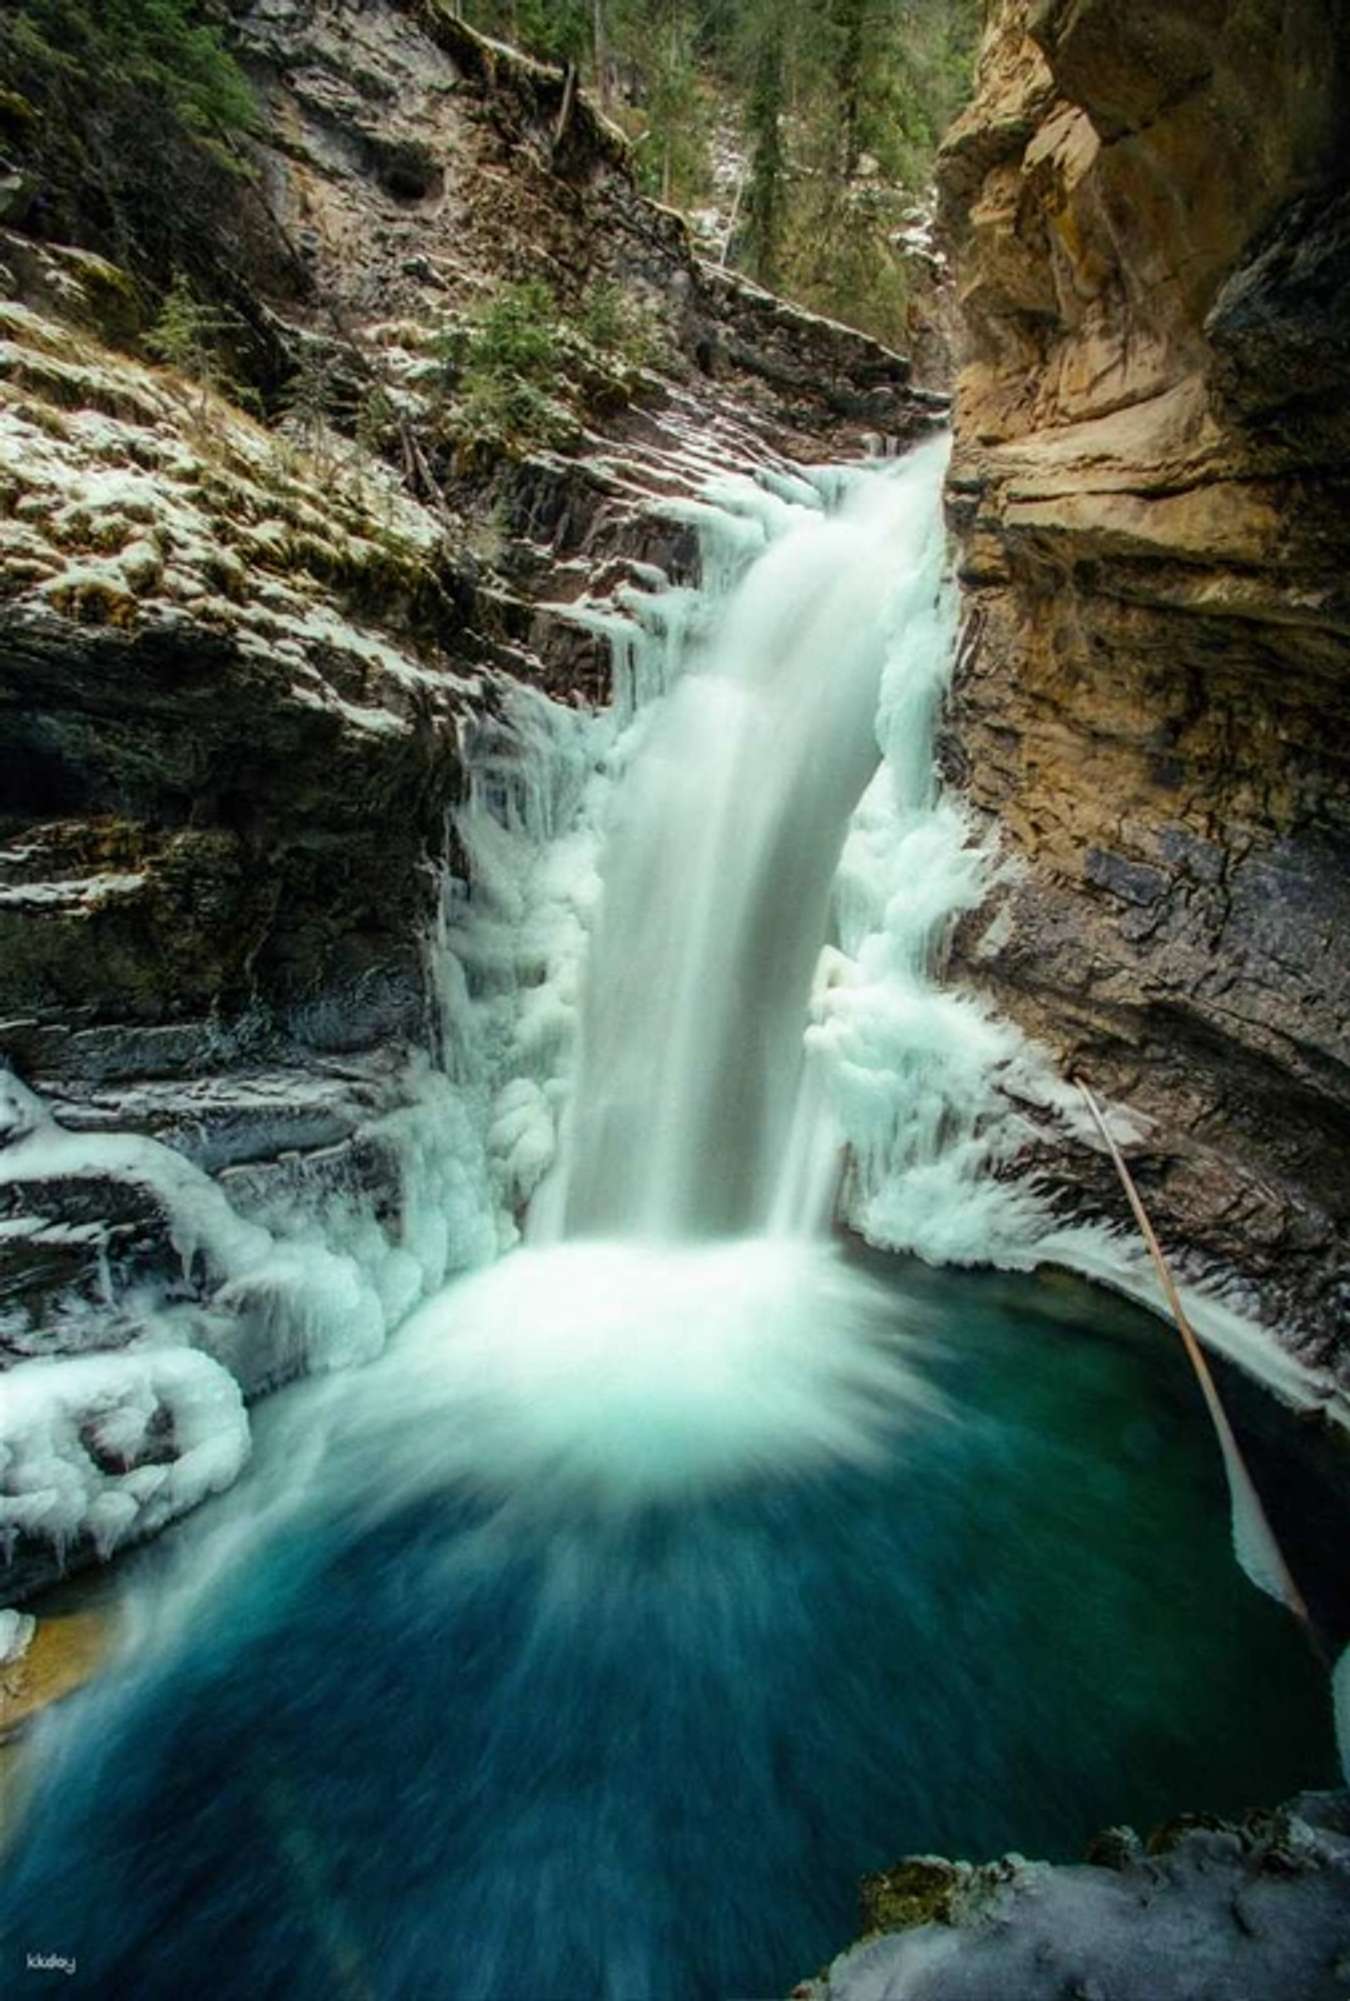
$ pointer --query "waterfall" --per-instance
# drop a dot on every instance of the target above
(683, 968)
(691, 977)
(716, 878)
(645, 968)
(688, 970)
(647, 914)
(691, 963)
(668, 1572)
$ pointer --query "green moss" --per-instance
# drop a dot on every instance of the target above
(112, 299)
(168, 49)
(15, 108)
(76, 382)
(43, 418)
(95, 601)
(921, 1890)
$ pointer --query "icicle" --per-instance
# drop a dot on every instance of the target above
(1254, 1541)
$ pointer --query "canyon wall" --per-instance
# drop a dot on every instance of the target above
(1151, 222)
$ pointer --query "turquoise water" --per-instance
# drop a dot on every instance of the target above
(507, 1739)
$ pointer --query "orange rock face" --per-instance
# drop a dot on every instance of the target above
(1151, 221)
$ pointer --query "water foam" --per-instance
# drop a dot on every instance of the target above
(626, 1372)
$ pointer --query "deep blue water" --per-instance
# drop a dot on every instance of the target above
(528, 1754)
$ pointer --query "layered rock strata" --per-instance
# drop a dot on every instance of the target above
(1152, 233)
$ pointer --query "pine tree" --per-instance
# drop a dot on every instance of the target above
(849, 25)
(840, 105)
(766, 186)
(187, 334)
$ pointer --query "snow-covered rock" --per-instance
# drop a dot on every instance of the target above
(105, 1448)
(1210, 1911)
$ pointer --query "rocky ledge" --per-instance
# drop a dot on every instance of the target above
(1210, 1910)
(1152, 240)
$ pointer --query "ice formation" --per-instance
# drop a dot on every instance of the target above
(16, 1635)
(612, 1061)
(111, 1446)
(318, 1292)
(924, 1088)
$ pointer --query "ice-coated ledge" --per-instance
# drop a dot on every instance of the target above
(1207, 1912)
(107, 1448)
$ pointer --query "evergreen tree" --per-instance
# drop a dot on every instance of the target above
(764, 128)
(849, 23)
(839, 105)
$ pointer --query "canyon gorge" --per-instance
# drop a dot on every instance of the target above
(647, 822)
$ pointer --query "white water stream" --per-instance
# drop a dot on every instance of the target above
(692, 962)
(720, 855)
(678, 1316)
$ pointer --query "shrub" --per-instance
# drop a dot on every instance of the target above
(187, 334)
(615, 324)
(512, 358)
(512, 412)
(516, 333)
(195, 338)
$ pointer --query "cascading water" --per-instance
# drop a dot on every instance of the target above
(663, 1322)
(717, 879)
(677, 1568)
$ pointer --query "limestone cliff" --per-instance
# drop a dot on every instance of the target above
(1152, 230)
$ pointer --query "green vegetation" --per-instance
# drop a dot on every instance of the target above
(510, 362)
(187, 334)
(516, 334)
(615, 324)
(199, 341)
(865, 89)
(524, 373)
(833, 109)
(171, 49)
(308, 400)
(107, 100)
